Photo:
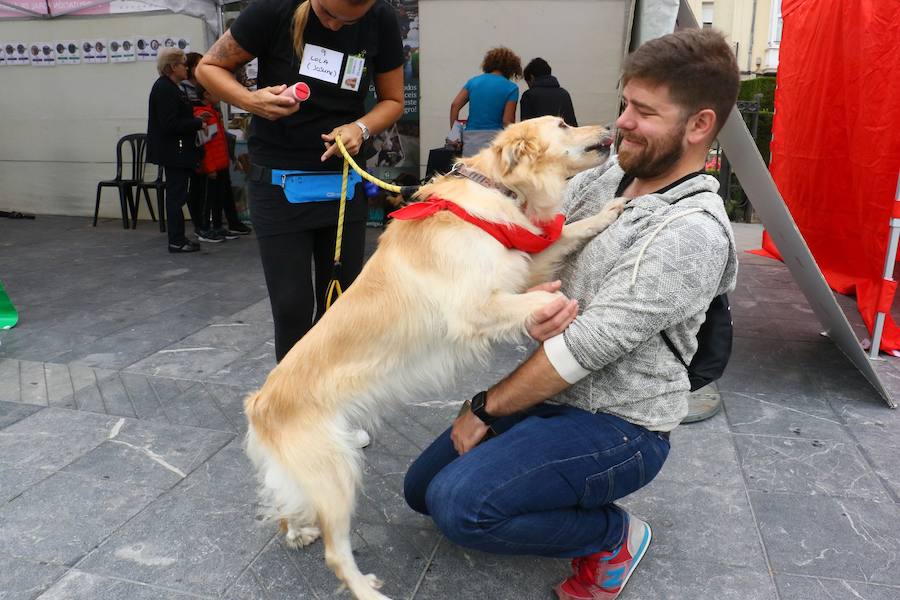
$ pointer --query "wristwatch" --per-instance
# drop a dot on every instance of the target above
(365, 130)
(479, 408)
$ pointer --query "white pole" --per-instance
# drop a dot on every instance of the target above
(888, 275)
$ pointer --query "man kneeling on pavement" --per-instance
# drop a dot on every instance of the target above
(585, 420)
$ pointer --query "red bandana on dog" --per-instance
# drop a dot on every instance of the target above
(511, 236)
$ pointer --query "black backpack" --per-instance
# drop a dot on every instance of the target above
(714, 337)
(713, 345)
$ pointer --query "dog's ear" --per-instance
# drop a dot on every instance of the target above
(522, 148)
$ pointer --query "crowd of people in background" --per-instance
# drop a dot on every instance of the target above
(493, 96)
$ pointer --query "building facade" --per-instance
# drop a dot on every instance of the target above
(752, 26)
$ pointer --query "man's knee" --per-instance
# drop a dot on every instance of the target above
(414, 488)
(453, 502)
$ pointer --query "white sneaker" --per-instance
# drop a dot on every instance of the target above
(362, 438)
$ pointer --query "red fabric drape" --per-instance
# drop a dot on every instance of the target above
(836, 139)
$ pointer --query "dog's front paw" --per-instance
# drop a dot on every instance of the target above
(301, 536)
(615, 207)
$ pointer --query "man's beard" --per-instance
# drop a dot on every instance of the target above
(655, 158)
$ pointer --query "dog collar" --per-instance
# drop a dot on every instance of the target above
(510, 235)
(481, 179)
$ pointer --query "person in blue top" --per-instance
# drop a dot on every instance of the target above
(491, 97)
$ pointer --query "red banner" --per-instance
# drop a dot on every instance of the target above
(836, 140)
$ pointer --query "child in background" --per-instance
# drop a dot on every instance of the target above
(217, 194)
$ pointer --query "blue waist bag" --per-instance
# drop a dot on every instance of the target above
(313, 186)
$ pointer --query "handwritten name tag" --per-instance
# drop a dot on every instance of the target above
(321, 63)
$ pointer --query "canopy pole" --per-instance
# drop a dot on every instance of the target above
(888, 275)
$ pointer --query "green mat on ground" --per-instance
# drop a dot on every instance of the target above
(8, 315)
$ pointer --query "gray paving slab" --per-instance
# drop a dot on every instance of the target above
(198, 546)
(795, 587)
(825, 537)
(697, 521)
(804, 466)
(665, 578)
(146, 454)
(192, 362)
(701, 458)
(24, 580)
(53, 437)
(11, 412)
(227, 475)
(459, 573)
(78, 585)
(37, 526)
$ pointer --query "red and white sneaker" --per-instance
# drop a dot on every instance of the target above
(602, 576)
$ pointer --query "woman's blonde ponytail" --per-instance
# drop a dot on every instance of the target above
(301, 17)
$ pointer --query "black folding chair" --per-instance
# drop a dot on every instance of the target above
(158, 185)
(135, 144)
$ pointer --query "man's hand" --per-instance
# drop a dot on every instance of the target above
(267, 103)
(351, 137)
(552, 319)
(468, 430)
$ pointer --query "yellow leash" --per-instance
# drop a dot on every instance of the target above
(334, 287)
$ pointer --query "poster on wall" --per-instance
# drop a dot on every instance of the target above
(397, 148)
(17, 54)
(2, 54)
(68, 52)
(43, 54)
(122, 50)
(95, 51)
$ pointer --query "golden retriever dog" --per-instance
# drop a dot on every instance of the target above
(429, 303)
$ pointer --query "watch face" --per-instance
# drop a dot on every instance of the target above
(73, 48)
(154, 45)
(87, 46)
(141, 44)
(46, 50)
(9, 50)
(126, 45)
(114, 46)
(60, 49)
(182, 44)
(170, 43)
(35, 50)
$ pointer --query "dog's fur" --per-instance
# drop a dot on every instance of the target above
(428, 304)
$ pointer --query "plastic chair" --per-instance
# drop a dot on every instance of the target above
(135, 143)
(159, 185)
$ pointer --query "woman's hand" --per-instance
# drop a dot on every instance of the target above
(351, 136)
(269, 105)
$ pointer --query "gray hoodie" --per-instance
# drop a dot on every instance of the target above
(657, 267)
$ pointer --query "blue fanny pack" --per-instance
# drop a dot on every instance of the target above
(313, 186)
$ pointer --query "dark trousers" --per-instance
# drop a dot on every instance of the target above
(296, 292)
(197, 200)
(546, 485)
(176, 195)
(228, 206)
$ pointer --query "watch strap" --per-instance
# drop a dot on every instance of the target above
(479, 408)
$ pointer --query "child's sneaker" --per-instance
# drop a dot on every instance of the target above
(602, 576)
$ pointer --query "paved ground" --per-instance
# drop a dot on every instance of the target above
(121, 474)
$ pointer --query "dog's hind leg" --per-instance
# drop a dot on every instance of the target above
(327, 468)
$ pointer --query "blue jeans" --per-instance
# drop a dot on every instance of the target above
(544, 486)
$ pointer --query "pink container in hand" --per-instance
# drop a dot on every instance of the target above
(298, 91)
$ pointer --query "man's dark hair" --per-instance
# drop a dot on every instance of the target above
(538, 67)
(696, 65)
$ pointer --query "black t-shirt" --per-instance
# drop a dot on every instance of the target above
(264, 30)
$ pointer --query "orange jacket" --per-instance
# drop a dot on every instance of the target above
(215, 151)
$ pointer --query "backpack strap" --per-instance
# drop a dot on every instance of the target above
(673, 349)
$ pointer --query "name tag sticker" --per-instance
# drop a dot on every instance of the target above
(321, 63)
(353, 73)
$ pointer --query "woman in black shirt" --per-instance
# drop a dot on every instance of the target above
(336, 47)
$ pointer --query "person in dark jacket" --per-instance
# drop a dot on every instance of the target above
(544, 96)
(171, 141)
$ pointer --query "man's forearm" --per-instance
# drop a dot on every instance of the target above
(531, 383)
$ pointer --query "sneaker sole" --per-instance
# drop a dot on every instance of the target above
(641, 551)
(636, 558)
(209, 241)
